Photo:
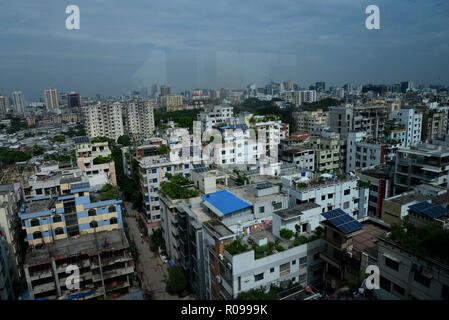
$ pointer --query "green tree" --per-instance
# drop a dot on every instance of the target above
(286, 234)
(59, 138)
(177, 281)
(124, 140)
(163, 149)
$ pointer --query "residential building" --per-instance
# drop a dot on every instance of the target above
(139, 119)
(395, 131)
(165, 90)
(303, 157)
(104, 120)
(327, 153)
(309, 120)
(407, 275)
(4, 106)
(424, 213)
(349, 247)
(434, 124)
(328, 191)
(6, 280)
(380, 183)
(214, 115)
(171, 102)
(19, 102)
(423, 163)
(412, 121)
(366, 153)
(94, 160)
(366, 118)
(77, 210)
(395, 208)
(105, 264)
(51, 99)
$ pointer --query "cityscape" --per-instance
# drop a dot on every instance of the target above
(273, 189)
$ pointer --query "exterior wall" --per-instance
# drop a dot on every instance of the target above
(409, 265)
(244, 267)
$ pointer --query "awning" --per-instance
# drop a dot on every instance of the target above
(391, 257)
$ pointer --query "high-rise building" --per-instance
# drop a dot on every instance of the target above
(165, 90)
(320, 86)
(139, 119)
(406, 85)
(171, 102)
(4, 105)
(19, 102)
(51, 99)
(104, 119)
(73, 100)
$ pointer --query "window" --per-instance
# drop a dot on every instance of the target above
(261, 209)
(154, 171)
(330, 195)
(37, 235)
(316, 256)
(271, 270)
(293, 262)
(57, 218)
(392, 264)
(81, 194)
(303, 260)
(35, 222)
(112, 209)
(385, 284)
(284, 269)
(323, 197)
(93, 224)
(113, 220)
(154, 180)
(346, 205)
(258, 277)
(398, 289)
(422, 279)
(59, 231)
(347, 192)
(91, 212)
(38, 191)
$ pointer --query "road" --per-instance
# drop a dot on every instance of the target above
(150, 265)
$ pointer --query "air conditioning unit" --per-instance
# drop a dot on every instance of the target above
(220, 256)
(229, 265)
(218, 279)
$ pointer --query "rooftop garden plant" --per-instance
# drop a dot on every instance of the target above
(236, 247)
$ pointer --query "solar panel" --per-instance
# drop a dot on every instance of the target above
(342, 221)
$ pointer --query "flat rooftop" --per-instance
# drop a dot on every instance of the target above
(243, 193)
(408, 197)
(296, 210)
(366, 241)
(378, 173)
(39, 205)
(225, 201)
(92, 243)
(219, 228)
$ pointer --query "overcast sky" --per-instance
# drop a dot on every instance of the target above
(124, 45)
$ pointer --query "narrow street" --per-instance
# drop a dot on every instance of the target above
(153, 270)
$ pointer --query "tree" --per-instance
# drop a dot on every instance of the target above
(286, 234)
(109, 192)
(124, 140)
(101, 160)
(59, 138)
(163, 149)
(177, 281)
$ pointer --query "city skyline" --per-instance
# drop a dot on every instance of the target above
(119, 47)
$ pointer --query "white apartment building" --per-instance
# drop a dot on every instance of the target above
(139, 119)
(19, 102)
(299, 97)
(412, 122)
(309, 120)
(153, 170)
(214, 115)
(92, 159)
(365, 153)
(104, 119)
(329, 192)
(51, 99)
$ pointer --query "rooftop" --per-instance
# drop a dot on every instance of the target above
(378, 172)
(366, 241)
(341, 221)
(407, 197)
(91, 243)
(225, 202)
(297, 210)
(219, 228)
(430, 210)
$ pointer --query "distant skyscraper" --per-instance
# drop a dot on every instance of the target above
(406, 85)
(320, 86)
(154, 90)
(19, 102)
(51, 99)
(73, 100)
(4, 105)
(165, 90)
(348, 87)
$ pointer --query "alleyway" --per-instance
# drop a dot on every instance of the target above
(155, 273)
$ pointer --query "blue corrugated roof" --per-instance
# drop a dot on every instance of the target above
(225, 201)
(428, 209)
